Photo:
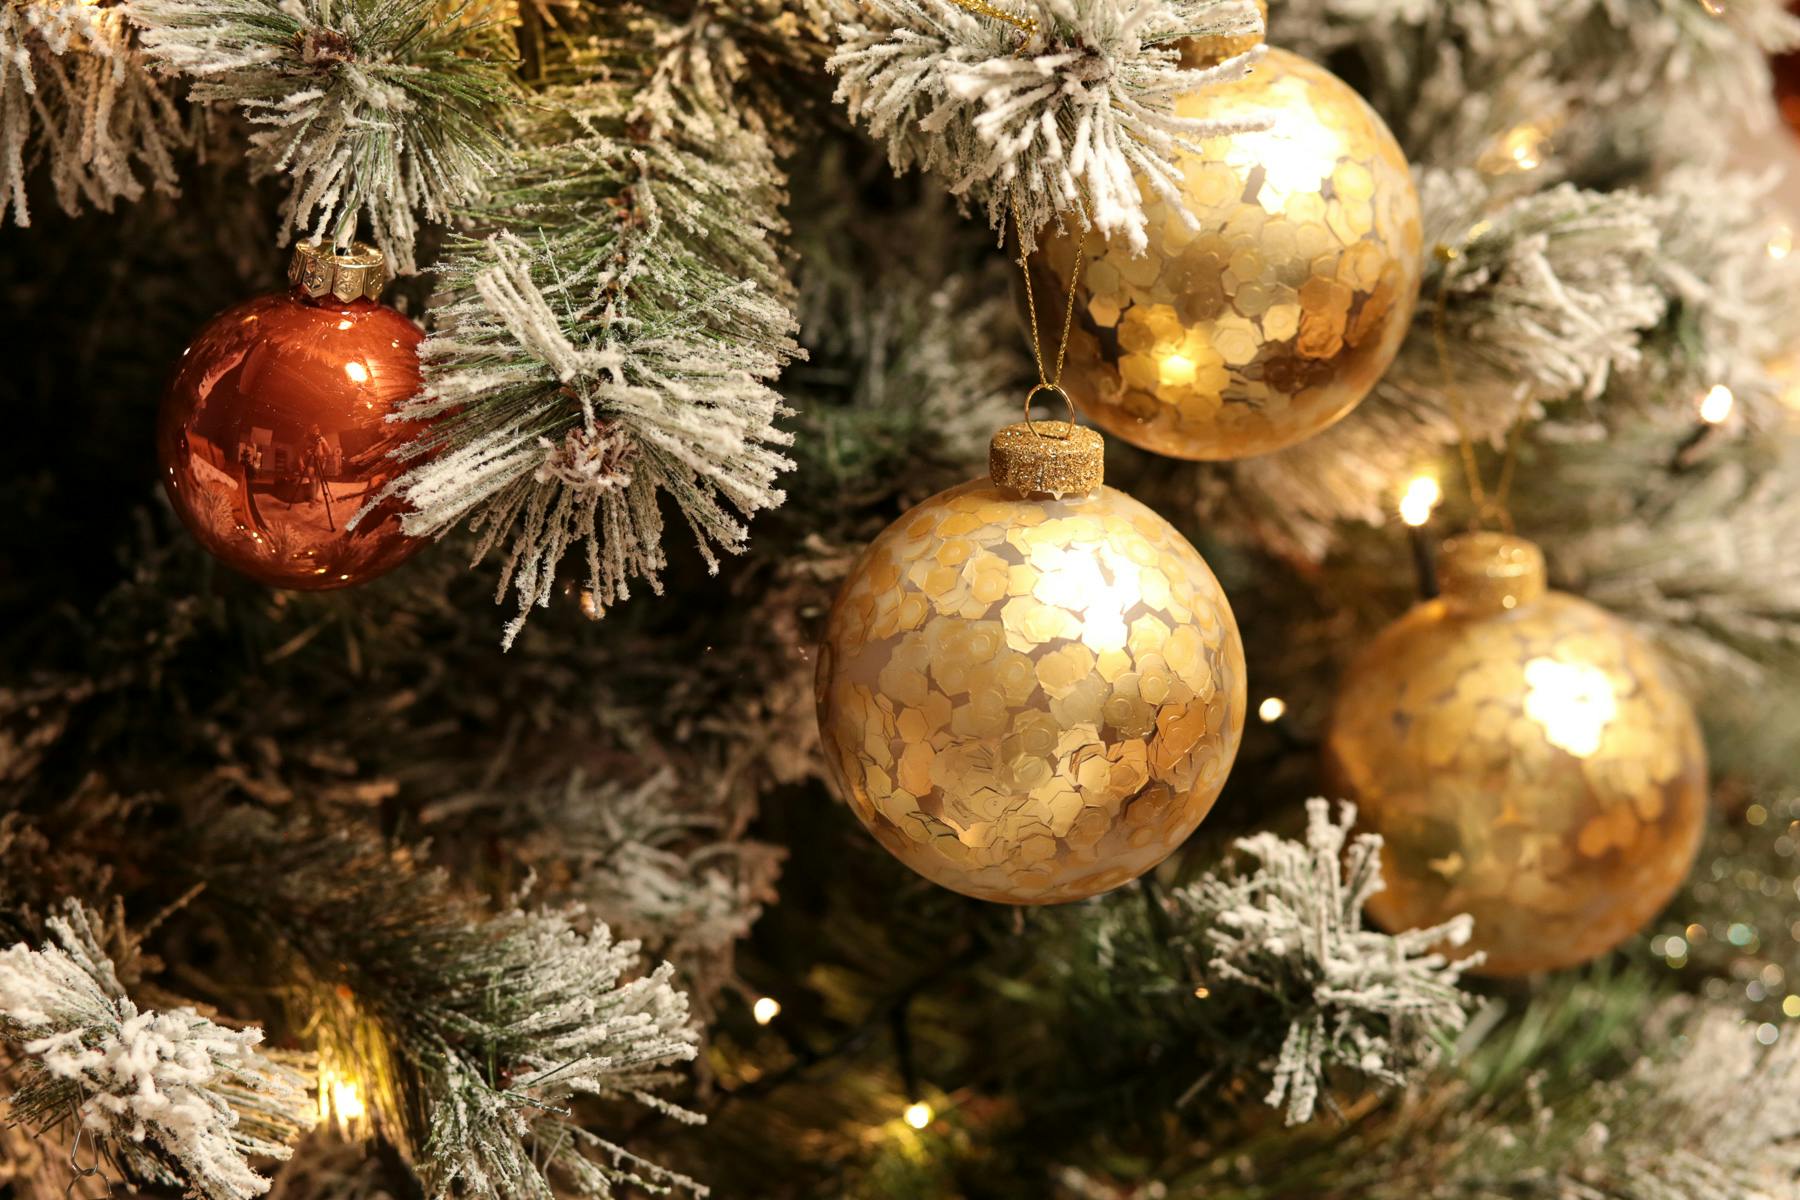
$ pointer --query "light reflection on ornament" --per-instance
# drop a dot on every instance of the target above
(356, 372)
(1178, 370)
(1421, 496)
(1574, 702)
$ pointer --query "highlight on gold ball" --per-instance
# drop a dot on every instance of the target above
(1271, 299)
(1525, 758)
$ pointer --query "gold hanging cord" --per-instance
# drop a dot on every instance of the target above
(1048, 381)
(1487, 505)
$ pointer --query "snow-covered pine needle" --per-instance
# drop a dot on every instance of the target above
(75, 89)
(174, 1097)
(611, 341)
(379, 110)
(1067, 123)
(1291, 930)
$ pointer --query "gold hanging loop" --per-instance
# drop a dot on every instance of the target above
(1048, 381)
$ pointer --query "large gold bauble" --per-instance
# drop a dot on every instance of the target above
(1026, 698)
(1274, 313)
(1525, 759)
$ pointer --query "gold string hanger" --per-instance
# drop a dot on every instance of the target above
(1047, 381)
(1488, 506)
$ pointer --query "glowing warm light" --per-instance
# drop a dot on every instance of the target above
(1574, 702)
(1520, 149)
(344, 324)
(1781, 242)
(357, 372)
(340, 1099)
(1202, 992)
(1272, 709)
(766, 1009)
(1177, 370)
(918, 1114)
(1421, 496)
(1717, 404)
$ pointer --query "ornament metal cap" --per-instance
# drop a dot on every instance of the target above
(1490, 573)
(317, 270)
(1056, 458)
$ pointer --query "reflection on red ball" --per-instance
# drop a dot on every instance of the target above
(273, 434)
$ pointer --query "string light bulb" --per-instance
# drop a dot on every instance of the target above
(1272, 709)
(341, 1102)
(766, 1009)
(1419, 499)
(1716, 405)
(1781, 242)
(918, 1114)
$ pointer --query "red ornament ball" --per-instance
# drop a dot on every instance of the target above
(274, 431)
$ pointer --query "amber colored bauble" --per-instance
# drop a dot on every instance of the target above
(274, 433)
(1525, 759)
(1031, 698)
(1273, 313)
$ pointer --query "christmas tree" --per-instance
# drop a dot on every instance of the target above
(1371, 775)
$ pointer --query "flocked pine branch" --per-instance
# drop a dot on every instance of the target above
(1288, 934)
(475, 1035)
(1066, 122)
(172, 1096)
(657, 863)
(380, 110)
(76, 92)
(610, 343)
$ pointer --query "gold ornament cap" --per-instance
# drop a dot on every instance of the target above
(1199, 52)
(317, 270)
(1490, 573)
(1056, 458)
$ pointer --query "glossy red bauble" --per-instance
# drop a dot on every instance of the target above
(274, 433)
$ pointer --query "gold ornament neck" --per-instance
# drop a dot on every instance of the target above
(317, 270)
(1054, 458)
(1486, 573)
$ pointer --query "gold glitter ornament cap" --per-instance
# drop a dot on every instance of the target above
(318, 270)
(1055, 458)
(1485, 573)
(1199, 52)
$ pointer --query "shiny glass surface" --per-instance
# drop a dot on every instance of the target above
(273, 434)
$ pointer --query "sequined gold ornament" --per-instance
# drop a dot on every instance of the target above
(1031, 686)
(1525, 759)
(1270, 307)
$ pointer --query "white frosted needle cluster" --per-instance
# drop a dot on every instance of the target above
(76, 91)
(157, 1085)
(1376, 1004)
(1066, 121)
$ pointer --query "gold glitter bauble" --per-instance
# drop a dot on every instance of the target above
(1030, 699)
(1525, 759)
(1273, 314)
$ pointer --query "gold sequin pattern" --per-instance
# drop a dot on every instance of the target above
(1031, 700)
(1273, 314)
(1535, 768)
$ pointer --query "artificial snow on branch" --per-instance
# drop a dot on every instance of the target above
(1290, 932)
(379, 110)
(610, 343)
(1065, 121)
(474, 1033)
(172, 1096)
(76, 91)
